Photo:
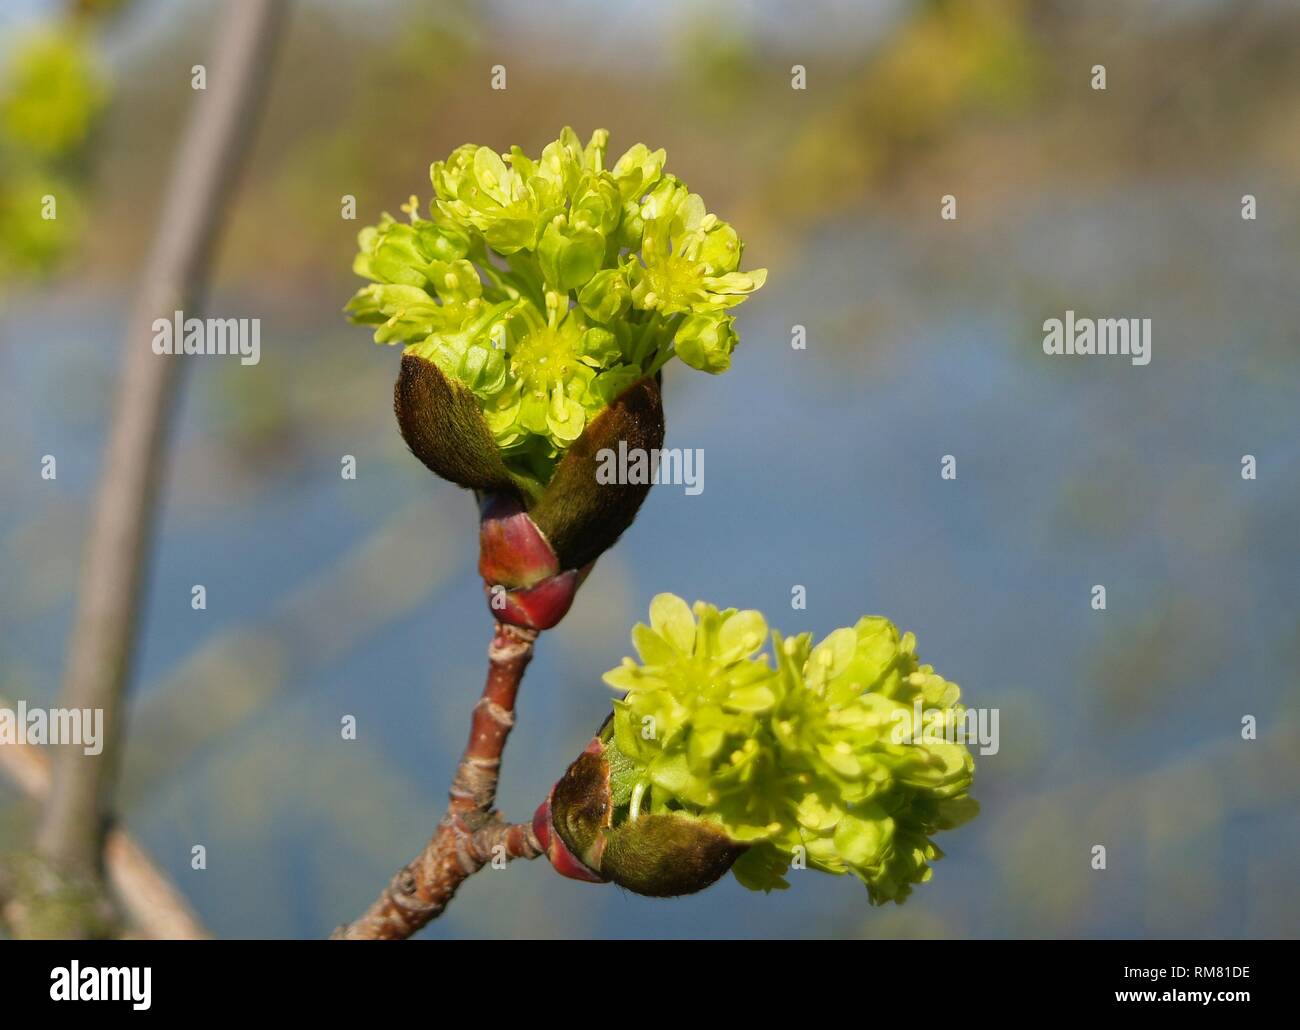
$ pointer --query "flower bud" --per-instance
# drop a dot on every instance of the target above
(522, 577)
(606, 296)
(586, 837)
(705, 342)
(562, 860)
(443, 426)
(540, 607)
(664, 856)
(570, 257)
(578, 514)
(512, 550)
(536, 545)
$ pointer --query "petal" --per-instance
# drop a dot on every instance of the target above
(671, 618)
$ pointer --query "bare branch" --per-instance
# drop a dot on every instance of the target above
(75, 820)
(155, 907)
(151, 900)
(470, 830)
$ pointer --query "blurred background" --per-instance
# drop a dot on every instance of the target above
(329, 597)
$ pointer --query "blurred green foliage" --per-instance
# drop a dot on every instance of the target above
(51, 94)
(52, 91)
(941, 68)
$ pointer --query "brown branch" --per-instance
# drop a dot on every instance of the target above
(75, 820)
(471, 831)
(152, 904)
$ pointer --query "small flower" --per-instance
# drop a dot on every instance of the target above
(689, 258)
(705, 342)
(815, 757)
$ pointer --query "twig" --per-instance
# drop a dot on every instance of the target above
(471, 832)
(75, 821)
(155, 907)
(151, 900)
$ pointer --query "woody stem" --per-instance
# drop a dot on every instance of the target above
(471, 832)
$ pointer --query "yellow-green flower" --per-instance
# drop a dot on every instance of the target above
(815, 759)
(689, 257)
(547, 286)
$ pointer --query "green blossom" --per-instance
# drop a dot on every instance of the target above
(816, 757)
(689, 257)
(547, 286)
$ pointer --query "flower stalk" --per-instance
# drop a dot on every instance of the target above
(471, 830)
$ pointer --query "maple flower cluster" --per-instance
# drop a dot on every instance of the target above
(548, 286)
(846, 756)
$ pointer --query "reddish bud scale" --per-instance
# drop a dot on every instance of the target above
(659, 855)
(512, 551)
(534, 558)
(539, 607)
(521, 574)
(562, 860)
